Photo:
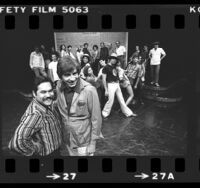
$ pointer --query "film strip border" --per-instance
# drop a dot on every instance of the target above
(106, 164)
(107, 169)
(130, 21)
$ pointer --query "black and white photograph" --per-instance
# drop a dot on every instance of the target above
(94, 93)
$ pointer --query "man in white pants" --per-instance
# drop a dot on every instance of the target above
(112, 87)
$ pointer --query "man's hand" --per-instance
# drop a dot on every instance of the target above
(135, 87)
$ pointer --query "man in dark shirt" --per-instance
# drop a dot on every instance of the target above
(112, 87)
(104, 53)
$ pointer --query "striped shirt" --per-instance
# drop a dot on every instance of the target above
(38, 124)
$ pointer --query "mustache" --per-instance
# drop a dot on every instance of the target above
(51, 98)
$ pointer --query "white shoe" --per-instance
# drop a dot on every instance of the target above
(104, 116)
(157, 85)
(132, 115)
(143, 79)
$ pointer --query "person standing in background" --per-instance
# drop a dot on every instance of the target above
(85, 49)
(63, 50)
(37, 63)
(79, 54)
(156, 54)
(104, 53)
(145, 57)
(121, 54)
(69, 52)
(85, 62)
(95, 59)
(53, 69)
(53, 51)
(136, 53)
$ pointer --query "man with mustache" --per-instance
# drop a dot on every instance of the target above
(79, 107)
(39, 131)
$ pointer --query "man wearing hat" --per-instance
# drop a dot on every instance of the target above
(121, 53)
(110, 80)
(156, 54)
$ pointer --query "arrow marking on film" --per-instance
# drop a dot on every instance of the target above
(142, 176)
(54, 176)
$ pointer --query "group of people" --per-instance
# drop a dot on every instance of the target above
(155, 55)
(65, 114)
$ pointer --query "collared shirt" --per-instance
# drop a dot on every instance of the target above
(38, 124)
(120, 51)
(69, 93)
(36, 60)
(156, 55)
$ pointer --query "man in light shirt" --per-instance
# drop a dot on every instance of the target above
(53, 69)
(156, 54)
(37, 63)
(121, 53)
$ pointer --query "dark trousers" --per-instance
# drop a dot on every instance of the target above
(122, 61)
(95, 67)
(155, 70)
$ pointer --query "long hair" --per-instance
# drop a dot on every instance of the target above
(62, 46)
